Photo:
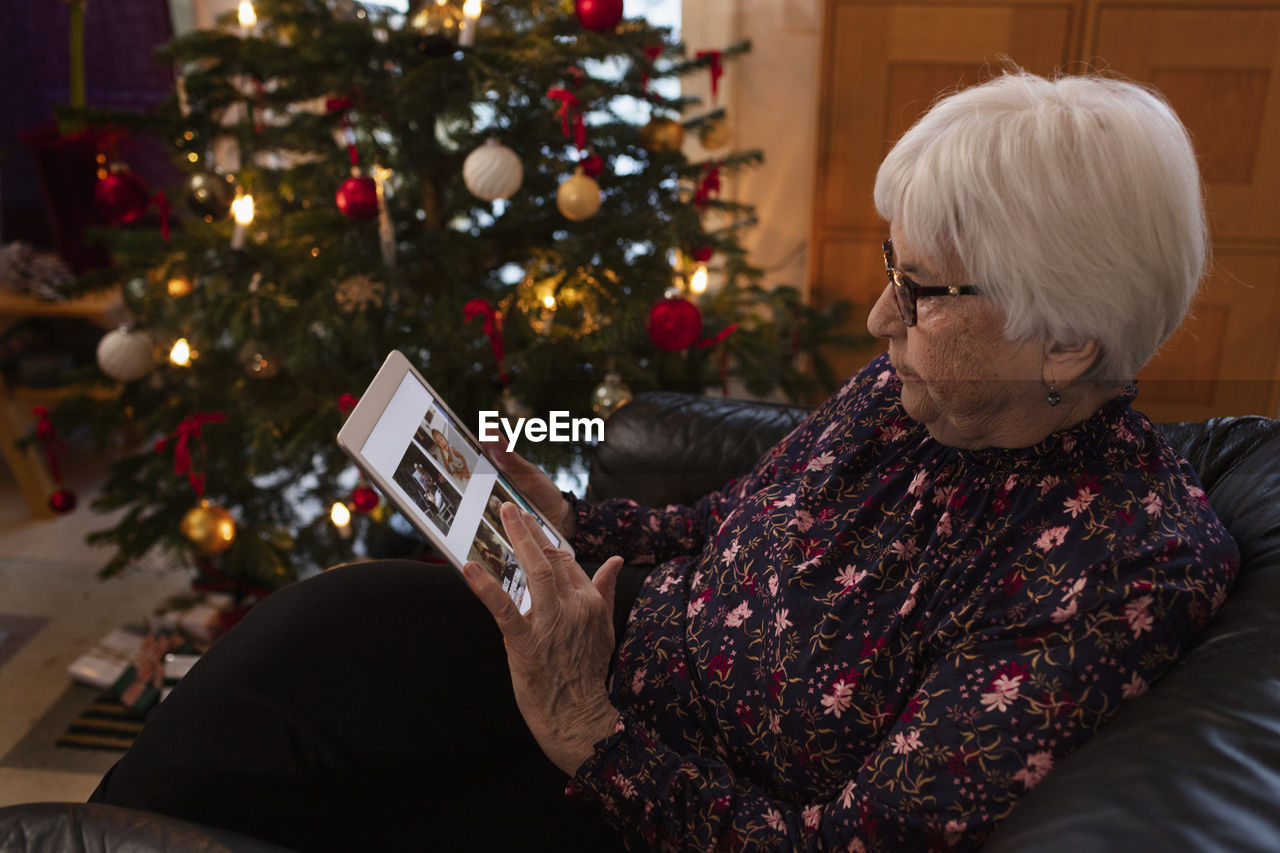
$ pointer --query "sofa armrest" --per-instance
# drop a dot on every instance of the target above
(665, 447)
(99, 828)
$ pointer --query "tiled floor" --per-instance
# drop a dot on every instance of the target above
(47, 570)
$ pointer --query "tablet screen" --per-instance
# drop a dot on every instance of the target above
(443, 477)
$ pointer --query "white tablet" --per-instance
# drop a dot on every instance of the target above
(417, 453)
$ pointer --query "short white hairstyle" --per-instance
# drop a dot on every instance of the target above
(1075, 203)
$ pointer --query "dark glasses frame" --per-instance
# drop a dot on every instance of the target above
(907, 292)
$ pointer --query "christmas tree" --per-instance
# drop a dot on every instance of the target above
(498, 191)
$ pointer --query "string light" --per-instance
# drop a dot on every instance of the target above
(698, 281)
(339, 514)
(242, 210)
(248, 17)
(179, 285)
(181, 353)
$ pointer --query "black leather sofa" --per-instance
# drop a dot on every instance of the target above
(1193, 765)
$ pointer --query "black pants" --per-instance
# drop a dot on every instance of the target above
(367, 708)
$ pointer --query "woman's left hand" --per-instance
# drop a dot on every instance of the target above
(559, 651)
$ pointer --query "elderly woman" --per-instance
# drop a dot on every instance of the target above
(941, 583)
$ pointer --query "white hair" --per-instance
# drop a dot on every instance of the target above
(1075, 203)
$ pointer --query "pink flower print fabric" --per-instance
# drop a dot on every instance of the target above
(876, 642)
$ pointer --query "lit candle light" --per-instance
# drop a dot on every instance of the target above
(341, 518)
(548, 312)
(242, 210)
(181, 353)
(471, 14)
(248, 17)
(698, 281)
(386, 231)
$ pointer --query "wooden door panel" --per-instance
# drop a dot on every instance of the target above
(884, 66)
(1220, 69)
(1225, 357)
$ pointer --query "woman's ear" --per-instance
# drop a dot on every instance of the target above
(1066, 363)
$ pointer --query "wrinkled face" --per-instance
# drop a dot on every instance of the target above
(961, 377)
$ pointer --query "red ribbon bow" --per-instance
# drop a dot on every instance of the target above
(717, 71)
(653, 51)
(709, 185)
(341, 105)
(245, 593)
(724, 333)
(492, 327)
(187, 430)
(48, 436)
(161, 201)
(570, 112)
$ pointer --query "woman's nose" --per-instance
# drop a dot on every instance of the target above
(884, 321)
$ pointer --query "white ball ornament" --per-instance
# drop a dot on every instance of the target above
(492, 171)
(579, 197)
(124, 355)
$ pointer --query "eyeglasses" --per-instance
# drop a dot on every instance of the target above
(908, 292)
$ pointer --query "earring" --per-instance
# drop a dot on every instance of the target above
(1053, 398)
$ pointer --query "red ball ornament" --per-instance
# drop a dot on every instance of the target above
(121, 196)
(62, 501)
(702, 254)
(358, 197)
(675, 324)
(364, 499)
(598, 15)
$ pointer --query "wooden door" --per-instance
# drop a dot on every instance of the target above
(1219, 67)
(884, 63)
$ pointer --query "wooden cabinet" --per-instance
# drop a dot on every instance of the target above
(1218, 65)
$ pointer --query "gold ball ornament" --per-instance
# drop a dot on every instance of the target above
(260, 360)
(610, 395)
(179, 285)
(662, 135)
(714, 134)
(579, 197)
(512, 406)
(208, 527)
(125, 356)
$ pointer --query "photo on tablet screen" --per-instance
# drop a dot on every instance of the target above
(428, 487)
(440, 437)
(495, 554)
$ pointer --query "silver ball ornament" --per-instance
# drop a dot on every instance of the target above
(493, 171)
(126, 356)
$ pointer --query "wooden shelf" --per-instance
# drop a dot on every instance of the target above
(104, 308)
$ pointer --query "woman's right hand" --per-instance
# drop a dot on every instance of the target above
(534, 484)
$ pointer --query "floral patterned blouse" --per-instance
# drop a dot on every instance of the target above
(877, 642)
